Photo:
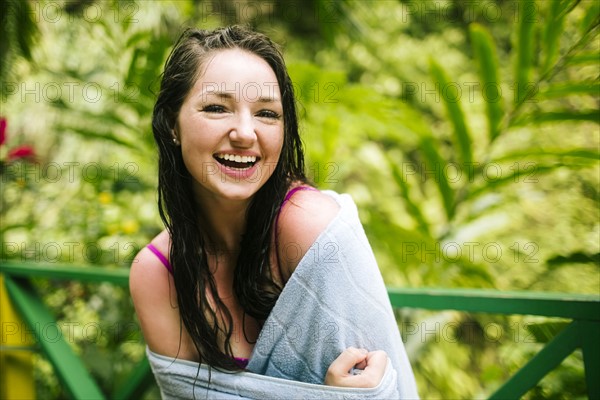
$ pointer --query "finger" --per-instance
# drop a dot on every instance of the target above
(376, 364)
(361, 365)
(346, 360)
(377, 358)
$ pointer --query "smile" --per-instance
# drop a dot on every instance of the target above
(235, 161)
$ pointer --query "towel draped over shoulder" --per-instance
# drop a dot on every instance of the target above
(335, 299)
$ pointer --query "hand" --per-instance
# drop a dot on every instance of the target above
(371, 363)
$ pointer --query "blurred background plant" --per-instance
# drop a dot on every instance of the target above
(467, 133)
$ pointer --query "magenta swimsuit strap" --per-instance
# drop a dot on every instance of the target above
(161, 257)
(287, 197)
(241, 362)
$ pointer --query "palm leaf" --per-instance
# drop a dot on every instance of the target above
(524, 47)
(543, 332)
(573, 258)
(585, 154)
(591, 17)
(563, 90)
(429, 150)
(584, 58)
(530, 172)
(485, 53)
(455, 113)
(554, 116)
(411, 206)
(518, 175)
(552, 31)
(95, 134)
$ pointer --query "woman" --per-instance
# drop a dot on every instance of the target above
(234, 199)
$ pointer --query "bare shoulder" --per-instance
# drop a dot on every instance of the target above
(155, 300)
(147, 272)
(302, 219)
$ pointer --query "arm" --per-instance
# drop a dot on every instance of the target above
(155, 300)
(302, 220)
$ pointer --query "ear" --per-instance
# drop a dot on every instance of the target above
(175, 136)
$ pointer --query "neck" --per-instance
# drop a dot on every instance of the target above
(224, 222)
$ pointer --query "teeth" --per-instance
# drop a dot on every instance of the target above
(237, 158)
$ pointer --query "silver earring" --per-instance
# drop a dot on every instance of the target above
(175, 141)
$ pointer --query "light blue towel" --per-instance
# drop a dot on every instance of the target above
(335, 299)
(181, 379)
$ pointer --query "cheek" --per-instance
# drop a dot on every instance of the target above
(278, 143)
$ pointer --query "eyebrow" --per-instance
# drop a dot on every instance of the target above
(229, 95)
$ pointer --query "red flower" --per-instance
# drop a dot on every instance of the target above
(21, 152)
(2, 131)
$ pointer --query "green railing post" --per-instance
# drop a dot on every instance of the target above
(543, 362)
(590, 346)
(68, 367)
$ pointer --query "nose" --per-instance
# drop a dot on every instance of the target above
(243, 133)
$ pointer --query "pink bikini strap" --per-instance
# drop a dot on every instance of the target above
(161, 257)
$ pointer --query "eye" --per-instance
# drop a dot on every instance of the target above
(268, 114)
(213, 108)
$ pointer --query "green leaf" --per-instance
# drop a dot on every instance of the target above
(412, 208)
(331, 133)
(528, 173)
(27, 30)
(554, 153)
(570, 89)
(94, 134)
(472, 274)
(97, 119)
(552, 31)
(407, 246)
(591, 17)
(485, 53)
(554, 116)
(455, 113)
(436, 162)
(577, 257)
(543, 332)
(584, 58)
(132, 72)
(529, 170)
(524, 47)
(139, 37)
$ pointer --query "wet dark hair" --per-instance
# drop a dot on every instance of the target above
(253, 284)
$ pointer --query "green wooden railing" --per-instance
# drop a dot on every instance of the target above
(70, 370)
(583, 332)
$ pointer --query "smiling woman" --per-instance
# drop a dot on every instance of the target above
(213, 288)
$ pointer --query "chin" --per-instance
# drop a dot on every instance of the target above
(240, 191)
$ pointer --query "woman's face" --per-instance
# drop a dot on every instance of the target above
(231, 126)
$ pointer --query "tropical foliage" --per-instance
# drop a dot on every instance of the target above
(467, 133)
